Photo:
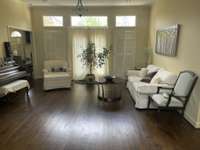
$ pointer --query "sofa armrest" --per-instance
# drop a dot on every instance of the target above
(45, 71)
(146, 88)
(69, 70)
(133, 73)
(165, 88)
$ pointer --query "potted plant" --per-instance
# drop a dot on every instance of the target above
(91, 59)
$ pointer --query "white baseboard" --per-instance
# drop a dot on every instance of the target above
(190, 119)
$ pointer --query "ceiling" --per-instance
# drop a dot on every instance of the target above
(89, 2)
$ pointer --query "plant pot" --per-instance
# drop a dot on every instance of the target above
(90, 77)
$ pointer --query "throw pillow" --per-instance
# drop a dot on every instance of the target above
(149, 77)
(152, 68)
(146, 80)
(143, 72)
(157, 81)
(52, 69)
(62, 69)
(55, 69)
(165, 76)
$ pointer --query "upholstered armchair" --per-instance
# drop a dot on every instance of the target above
(57, 74)
(180, 94)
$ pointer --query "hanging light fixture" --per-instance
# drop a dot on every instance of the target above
(80, 9)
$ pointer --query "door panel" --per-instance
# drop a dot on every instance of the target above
(124, 51)
(55, 44)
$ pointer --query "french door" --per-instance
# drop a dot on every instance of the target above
(124, 51)
(80, 39)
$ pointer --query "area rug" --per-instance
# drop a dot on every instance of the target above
(85, 82)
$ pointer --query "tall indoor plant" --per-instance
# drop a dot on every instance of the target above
(91, 59)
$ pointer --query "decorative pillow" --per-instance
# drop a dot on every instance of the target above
(62, 69)
(55, 69)
(152, 68)
(143, 72)
(146, 80)
(170, 80)
(52, 69)
(156, 80)
(166, 77)
(149, 77)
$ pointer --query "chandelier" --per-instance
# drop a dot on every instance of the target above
(80, 9)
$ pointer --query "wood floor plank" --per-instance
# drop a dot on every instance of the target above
(76, 120)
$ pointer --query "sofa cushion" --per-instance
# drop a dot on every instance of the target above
(134, 79)
(149, 77)
(164, 77)
(152, 68)
(56, 75)
(162, 100)
(143, 72)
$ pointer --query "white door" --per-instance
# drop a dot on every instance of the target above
(124, 51)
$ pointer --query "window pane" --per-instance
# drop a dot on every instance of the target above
(53, 21)
(89, 21)
(125, 21)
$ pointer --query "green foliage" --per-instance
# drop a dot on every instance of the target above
(91, 59)
(101, 57)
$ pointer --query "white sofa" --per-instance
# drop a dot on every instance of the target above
(55, 78)
(140, 91)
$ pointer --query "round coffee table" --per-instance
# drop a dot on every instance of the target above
(109, 91)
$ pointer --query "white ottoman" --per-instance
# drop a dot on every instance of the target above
(13, 87)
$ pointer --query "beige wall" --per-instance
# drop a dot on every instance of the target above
(142, 28)
(12, 13)
(186, 13)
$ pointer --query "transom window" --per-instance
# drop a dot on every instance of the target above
(89, 21)
(53, 21)
(125, 21)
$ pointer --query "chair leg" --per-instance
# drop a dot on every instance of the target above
(26, 93)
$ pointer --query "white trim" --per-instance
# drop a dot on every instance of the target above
(191, 120)
(19, 28)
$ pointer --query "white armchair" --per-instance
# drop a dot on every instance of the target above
(57, 74)
(180, 94)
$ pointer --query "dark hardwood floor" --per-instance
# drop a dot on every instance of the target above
(75, 120)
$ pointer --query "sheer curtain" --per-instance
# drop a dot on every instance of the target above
(100, 38)
(80, 40)
(81, 37)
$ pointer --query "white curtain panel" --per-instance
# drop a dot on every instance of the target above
(100, 38)
(80, 40)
